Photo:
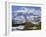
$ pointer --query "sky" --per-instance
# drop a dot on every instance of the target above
(20, 7)
(30, 11)
(24, 9)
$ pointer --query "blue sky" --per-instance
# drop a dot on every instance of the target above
(34, 10)
(19, 11)
(19, 7)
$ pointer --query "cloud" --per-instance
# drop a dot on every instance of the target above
(19, 19)
(25, 10)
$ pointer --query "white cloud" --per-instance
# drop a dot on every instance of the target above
(21, 19)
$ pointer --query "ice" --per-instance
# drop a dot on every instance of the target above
(19, 27)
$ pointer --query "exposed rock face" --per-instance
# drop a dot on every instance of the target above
(28, 25)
